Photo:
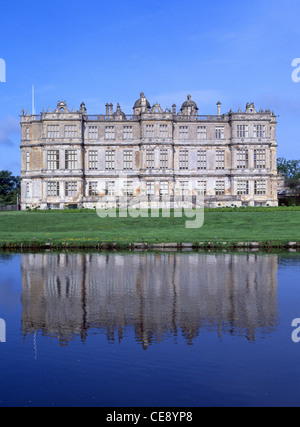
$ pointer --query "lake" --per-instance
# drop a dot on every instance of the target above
(140, 329)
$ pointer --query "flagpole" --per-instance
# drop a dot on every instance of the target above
(33, 106)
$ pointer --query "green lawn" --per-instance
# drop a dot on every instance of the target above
(85, 228)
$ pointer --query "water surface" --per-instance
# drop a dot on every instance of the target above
(142, 329)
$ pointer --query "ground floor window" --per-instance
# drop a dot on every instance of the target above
(128, 188)
(110, 188)
(70, 189)
(164, 189)
(202, 188)
(93, 188)
(220, 188)
(259, 187)
(243, 187)
(150, 188)
(52, 189)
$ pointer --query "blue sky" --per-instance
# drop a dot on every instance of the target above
(98, 51)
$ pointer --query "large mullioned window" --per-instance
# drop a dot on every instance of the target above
(242, 158)
(93, 160)
(52, 159)
(71, 159)
(183, 159)
(110, 160)
(52, 189)
(220, 159)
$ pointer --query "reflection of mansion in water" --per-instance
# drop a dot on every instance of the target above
(154, 295)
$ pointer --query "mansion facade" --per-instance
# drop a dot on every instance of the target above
(72, 159)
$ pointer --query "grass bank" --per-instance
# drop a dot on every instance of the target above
(268, 227)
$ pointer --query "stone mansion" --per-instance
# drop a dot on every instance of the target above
(72, 159)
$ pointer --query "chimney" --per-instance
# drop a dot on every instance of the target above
(110, 110)
(219, 108)
(174, 109)
(107, 110)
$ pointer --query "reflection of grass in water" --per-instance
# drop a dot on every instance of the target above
(86, 226)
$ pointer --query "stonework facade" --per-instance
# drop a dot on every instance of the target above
(72, 159)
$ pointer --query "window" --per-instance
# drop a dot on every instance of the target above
(27, 134)
(52, 189)
(219, 133)
(183, 132)
(202, 159)
(110, 188)
(259, 159)
(71, 159)
(52, 159)
(163, 159)
(259, 131)
(93, 133)
(70, 189)
(242, 131)
(128, 188)
(93, 188)
(150, 188)
(127, 132)
(127, 159)
(201, 132)
(259, 187)
(242, 159)
(109, 160)
(271, 160)
(52, 131)
(27, 161)
(202, 188)
(70, 131)
(27, 190)
(183, 159)
(109, 132)
(164, 188)
(184, 188)
(150, 159)
(93, 160)
(220, 188)
(163, 131)
(149, 131)
(220, 159)
(242, 187)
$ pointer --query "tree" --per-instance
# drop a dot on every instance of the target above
(291, 170)
(9, 187)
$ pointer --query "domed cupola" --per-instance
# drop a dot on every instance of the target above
(189, 107)
(142, 105)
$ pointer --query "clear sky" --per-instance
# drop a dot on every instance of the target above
(109, 51)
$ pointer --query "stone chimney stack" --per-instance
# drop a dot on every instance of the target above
(174, 109)
(107, 110)
(219, 108)
(143, 102)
